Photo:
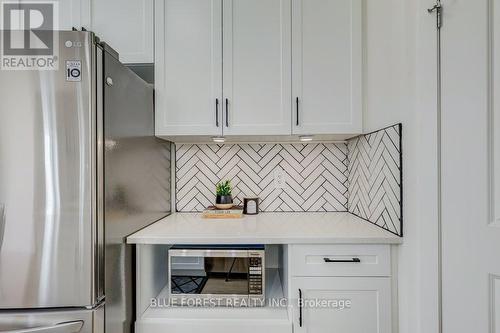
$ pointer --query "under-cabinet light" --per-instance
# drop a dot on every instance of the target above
(219, 139)
(306, 138)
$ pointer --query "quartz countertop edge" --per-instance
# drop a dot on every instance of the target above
(264, 228)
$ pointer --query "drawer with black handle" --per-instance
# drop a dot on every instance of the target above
(341, 260)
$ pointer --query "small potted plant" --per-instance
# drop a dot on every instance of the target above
(224, 199)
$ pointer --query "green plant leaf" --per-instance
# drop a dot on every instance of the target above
(223, 188)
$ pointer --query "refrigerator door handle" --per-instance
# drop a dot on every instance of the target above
(68, 327)
(2, 223)
(99, 181)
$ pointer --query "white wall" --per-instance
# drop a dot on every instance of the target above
(400, 77)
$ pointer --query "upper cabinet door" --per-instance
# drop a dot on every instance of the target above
(327, 65)
(73, 14)
(188, 67)
(127, 26)
(257, 62)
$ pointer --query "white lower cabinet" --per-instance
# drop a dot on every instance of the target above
(342, 288)
(342, 304)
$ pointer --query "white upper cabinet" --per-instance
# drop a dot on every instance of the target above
(73, 14)
(188, 67)
(241, 67)
(327, 66)
(126, 25)
(256, 67)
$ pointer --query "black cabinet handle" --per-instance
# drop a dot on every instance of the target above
(217, 112)
(227, 112)
(297, 110)
(353, 260)
(300, 307)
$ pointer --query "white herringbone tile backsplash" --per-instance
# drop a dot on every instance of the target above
(316, 175)
(363, 176)
(375, 182)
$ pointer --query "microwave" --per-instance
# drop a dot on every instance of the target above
(217, 275)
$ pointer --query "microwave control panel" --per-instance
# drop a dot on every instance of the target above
(255, 276)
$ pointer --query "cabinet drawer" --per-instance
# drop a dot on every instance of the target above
(341, 260)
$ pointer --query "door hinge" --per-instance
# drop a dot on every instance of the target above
(438, 8)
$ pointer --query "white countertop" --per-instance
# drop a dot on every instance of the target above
(264, 228)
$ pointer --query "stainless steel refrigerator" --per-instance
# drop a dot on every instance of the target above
(80, 169)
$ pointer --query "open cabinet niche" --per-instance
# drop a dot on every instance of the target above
(155, 314)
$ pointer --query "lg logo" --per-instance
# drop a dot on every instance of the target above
(28, 28)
